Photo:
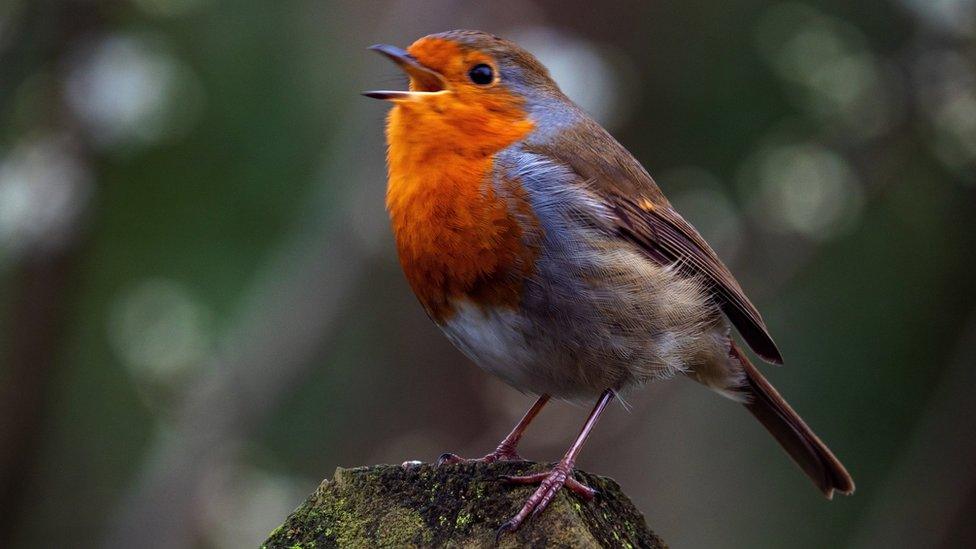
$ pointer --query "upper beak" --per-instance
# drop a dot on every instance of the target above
(424, 80)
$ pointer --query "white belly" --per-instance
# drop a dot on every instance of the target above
(497, 341)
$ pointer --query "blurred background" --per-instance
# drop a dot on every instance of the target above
(202, 313)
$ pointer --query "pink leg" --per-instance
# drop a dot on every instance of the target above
(506, 449)
(560, 475)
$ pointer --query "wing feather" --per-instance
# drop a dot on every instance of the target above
(646, 218)
(668, 238)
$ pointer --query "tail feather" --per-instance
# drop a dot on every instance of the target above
(793, 434)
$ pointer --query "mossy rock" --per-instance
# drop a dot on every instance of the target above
(459, 505)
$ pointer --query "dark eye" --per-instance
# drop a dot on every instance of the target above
(481, 74)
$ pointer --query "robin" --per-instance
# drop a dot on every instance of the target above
(548, 255)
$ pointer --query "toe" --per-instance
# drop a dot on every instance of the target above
(580, 489)
(525, 479)
(448, 458)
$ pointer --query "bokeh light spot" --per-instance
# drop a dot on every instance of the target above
(946, 83)
(43, 188)
(948, 16)
(832, 74)
(131, 90)
(806, 189)
(159, 330)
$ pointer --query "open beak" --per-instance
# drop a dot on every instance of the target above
(425, 80)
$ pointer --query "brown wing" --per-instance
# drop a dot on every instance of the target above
(647, 219)
(669, 239)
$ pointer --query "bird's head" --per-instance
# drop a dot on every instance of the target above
(468, 83)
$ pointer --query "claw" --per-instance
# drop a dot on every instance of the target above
(447, 458)
(509, 526)
(537, 510)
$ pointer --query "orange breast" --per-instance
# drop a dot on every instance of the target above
(456, 237)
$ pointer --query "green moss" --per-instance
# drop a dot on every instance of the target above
(458, 505)
(463, 519)
(399, 527)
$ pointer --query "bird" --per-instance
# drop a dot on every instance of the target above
(549, 256)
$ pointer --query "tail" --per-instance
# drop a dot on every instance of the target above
(792, 433)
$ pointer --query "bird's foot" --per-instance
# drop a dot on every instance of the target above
(549, 484)
(502, 453)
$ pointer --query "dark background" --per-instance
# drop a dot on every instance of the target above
(202, 314)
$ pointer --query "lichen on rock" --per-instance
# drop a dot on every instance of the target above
(459, 505)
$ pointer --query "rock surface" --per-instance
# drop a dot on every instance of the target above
(460, 505)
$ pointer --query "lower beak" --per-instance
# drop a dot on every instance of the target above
(423, 79)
